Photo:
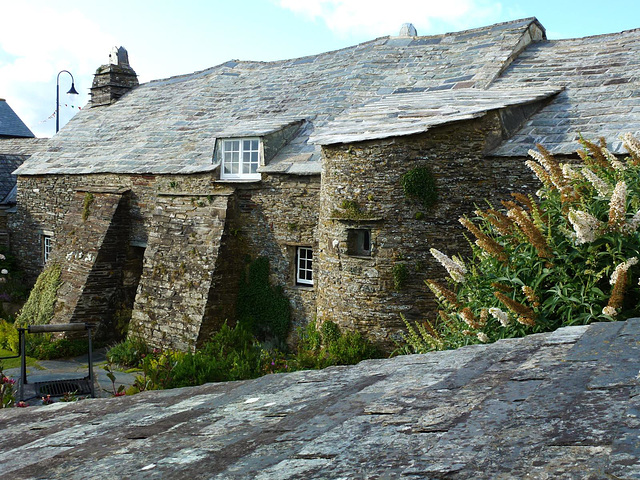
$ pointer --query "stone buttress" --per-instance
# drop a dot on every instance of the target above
(184, 240)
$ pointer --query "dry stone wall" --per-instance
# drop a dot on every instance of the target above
(370, 292)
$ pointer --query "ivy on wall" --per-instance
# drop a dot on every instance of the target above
(86, 205)
(263, 308)
(38, 310)
(419, 184)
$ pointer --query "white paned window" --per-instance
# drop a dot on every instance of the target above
(47, 244)
(240, 159)
(304, 266)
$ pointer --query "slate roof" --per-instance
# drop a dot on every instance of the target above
(602, 95)
(410, 113)
(13, 152)
(170, 126)
(557, 405)
(10, 123)
(387, 87)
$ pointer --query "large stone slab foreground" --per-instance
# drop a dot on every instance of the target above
(557, 405)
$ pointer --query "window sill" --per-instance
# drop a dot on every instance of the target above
(299, 286)
(239, 180)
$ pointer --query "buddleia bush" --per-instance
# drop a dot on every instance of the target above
(565, 256)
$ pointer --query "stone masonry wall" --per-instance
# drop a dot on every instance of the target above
(274, 218)
(184, 244)
(358, 292)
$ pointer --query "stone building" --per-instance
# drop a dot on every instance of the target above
(17, 143)
(155, 198)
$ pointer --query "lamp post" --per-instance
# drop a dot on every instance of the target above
(71, 91)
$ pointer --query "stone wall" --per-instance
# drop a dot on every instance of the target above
(179, 247)
(359, 291)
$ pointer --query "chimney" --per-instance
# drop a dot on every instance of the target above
(113, 80)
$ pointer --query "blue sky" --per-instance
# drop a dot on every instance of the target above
(38, 38)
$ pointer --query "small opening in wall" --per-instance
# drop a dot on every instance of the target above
(47, 245)
(359, 242)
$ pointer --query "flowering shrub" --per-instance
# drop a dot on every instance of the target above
(7, 391)
(567, 257)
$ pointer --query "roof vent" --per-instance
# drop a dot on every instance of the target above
(408, 30)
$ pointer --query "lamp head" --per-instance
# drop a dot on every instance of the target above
(73, 90)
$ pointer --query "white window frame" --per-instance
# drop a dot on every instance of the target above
(228, 149)
(304, 266)
(47, 246)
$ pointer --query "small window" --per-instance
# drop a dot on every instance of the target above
(304, 266)
(241, 158)
(47, 245)
(359, 242)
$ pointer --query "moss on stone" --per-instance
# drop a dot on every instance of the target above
(86, 205)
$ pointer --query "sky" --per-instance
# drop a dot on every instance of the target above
(40, 38)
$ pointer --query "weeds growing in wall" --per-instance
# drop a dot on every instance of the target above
(567, 256)
(86, 205)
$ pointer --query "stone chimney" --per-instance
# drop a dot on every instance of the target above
(113, 80)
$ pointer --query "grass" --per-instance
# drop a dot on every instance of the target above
(15, 362)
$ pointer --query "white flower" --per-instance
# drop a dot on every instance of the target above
(585, 225)
(570, 174)
(600, 185)
(615, 163)
(482, 337)
(631, 143)
(455, 267)
(622, 268)
(2, 257)
(4, 271)
(499, 315)
(612, 312)
(618, 204)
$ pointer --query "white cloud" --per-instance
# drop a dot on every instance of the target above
(36, 42)
(384, 17)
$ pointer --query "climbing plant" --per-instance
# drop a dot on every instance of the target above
(38, 310)
(419, 184)
(262, 308)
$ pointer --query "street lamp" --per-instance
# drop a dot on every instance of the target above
(71, 91)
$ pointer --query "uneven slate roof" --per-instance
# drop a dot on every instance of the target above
(170, 126)
(411, 113)
(557, 405)
(10, 123)
(13, 152)
(602, 95)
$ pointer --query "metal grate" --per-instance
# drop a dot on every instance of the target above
(57, 388)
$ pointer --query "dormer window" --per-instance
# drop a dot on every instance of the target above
(240, 159)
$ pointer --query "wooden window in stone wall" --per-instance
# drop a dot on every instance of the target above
(47, 245)
(240, 159)
(304, 266)
(359, 242)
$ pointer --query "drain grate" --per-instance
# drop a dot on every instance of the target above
(57, 388)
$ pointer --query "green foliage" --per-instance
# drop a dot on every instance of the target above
(419, 184)
(44, 346)
(320, 348)
(566, 258)
(9, 338)
(400, 276)
(128, 353)
(86, 205)
(38, 310)
(262, 309)
(13, 287)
